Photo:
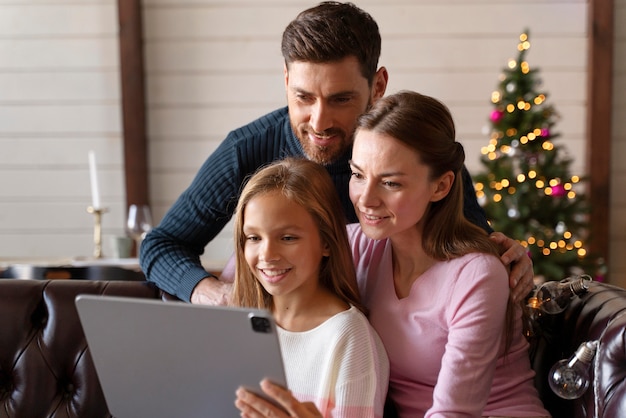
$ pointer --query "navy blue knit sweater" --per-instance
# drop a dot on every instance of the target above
(170, 254)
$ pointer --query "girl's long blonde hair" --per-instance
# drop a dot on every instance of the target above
(309, 185)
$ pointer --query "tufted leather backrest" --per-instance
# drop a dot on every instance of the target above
(600, 314)
(45, 367)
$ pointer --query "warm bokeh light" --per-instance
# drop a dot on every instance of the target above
(526, 188)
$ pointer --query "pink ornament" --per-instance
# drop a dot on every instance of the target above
(545, 132)
(496, 116)
(558, 190)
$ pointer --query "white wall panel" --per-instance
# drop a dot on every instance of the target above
(60, 118)
(484, 52)
(60, 87)
(59, 98)
(479, 18)
(59, 151)
(224, 20)
(216, 89)
(54, 54)
(166, 155)
(32, 19)
(476, 87)
(208, 121)
(225, 70)
(189, 56)
(212, 66)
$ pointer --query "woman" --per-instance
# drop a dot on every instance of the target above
(433, 283)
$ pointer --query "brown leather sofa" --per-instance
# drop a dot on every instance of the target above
(46, 369)
(599, 314)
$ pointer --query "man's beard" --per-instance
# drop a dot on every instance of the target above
(323, 155)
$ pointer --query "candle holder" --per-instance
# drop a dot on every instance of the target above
(97, 229)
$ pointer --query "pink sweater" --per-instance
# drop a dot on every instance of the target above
(445, 340)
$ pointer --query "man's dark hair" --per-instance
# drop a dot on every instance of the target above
(330, 32)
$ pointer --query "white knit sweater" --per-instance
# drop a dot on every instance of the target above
(341, 366)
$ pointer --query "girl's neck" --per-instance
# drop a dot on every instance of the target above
(299, 313)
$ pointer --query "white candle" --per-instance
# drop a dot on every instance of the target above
(93, 176)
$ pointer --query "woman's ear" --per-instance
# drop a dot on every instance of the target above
(442, 186)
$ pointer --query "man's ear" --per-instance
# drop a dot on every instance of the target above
(442, 186)
(286, 74)
(379, 84)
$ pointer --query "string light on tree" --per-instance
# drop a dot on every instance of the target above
(527, 189)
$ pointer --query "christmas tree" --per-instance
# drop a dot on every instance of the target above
(527, 190)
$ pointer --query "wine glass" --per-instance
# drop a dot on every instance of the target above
(139, 223)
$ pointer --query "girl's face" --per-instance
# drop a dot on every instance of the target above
(283, 247)
(390, 187)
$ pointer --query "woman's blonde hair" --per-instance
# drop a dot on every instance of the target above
(309, 185)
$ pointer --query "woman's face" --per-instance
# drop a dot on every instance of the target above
(390, 187)
(283, 247)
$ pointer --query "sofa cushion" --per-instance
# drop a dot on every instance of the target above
(45, 367)
(599, 314)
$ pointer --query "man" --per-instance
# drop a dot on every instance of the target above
(331, 73)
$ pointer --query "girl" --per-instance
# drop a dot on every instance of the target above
(293, 258)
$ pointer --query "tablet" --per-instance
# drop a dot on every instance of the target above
(172, 359)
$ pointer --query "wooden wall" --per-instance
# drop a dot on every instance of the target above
(213, 65)
(617, 232)
(59, 98)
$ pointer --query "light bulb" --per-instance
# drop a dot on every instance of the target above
(533, 313)
(569, 378)
(554, 296)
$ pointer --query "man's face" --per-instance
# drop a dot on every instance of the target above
(325, 101)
